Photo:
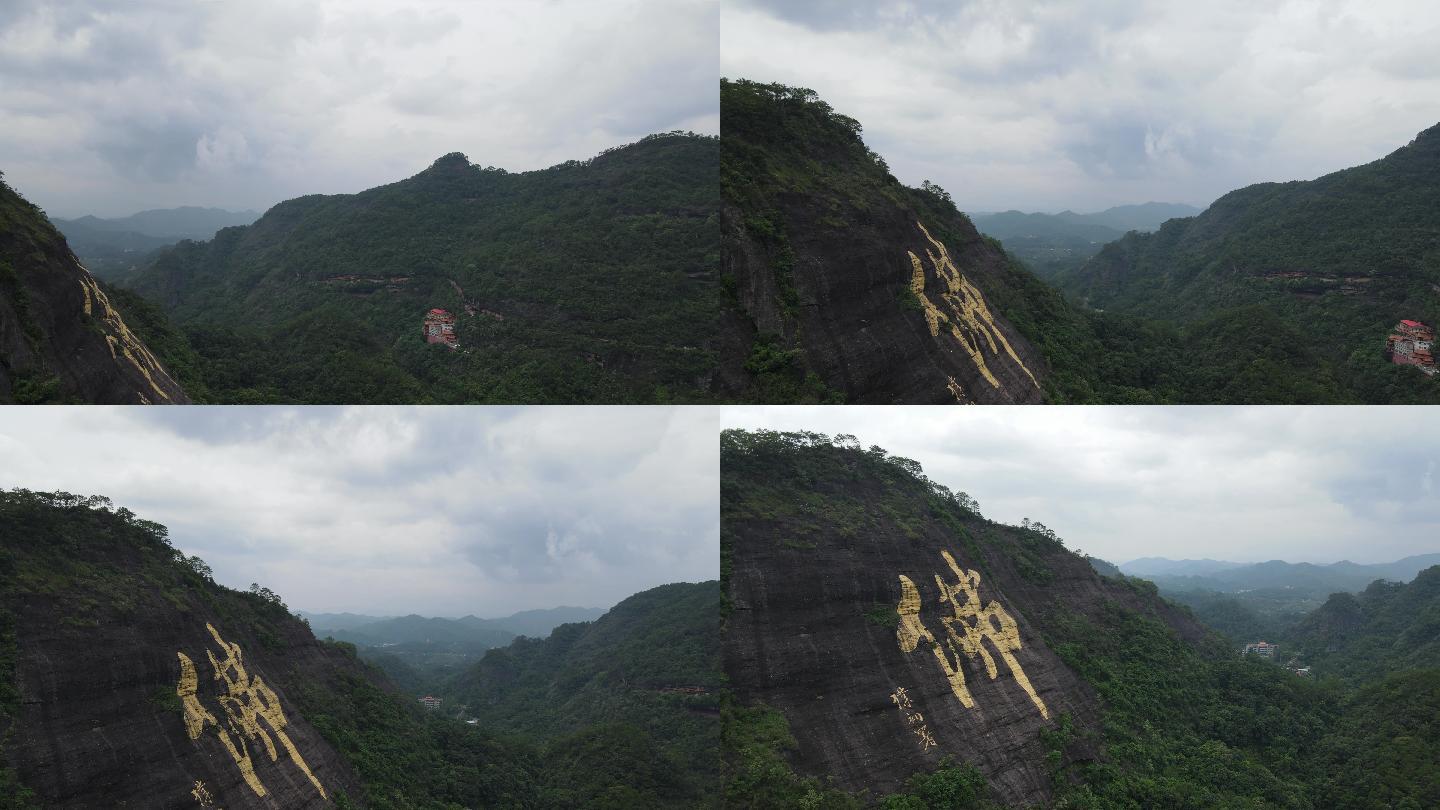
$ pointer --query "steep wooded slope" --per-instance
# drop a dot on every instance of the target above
(1337, 260)
(895, 632)
(842, 284)
(587, 282)
(61, 339)
(649, 667)
(138, 682)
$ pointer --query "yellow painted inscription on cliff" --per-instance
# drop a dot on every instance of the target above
(961, 310)
(914, 719)
(967, 625)
(252, 718)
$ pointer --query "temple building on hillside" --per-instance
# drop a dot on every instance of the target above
(1412, 344)
(1261, 648)
(430, 702)
(439, 327)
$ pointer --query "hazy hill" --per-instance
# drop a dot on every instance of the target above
(62, 339)
(394, 629)
(589, 281)
(1334, 261)
(1050, 243)
(470, 634)
(1385, 628)
(173, 224)
(854, 679)
(1232, 577)
(1160, 566)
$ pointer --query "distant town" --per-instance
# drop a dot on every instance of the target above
(1411, 344)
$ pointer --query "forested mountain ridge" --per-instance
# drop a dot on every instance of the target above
(1050, 243)
(1334, 261)
(590, 281)
(842, 284)
(852, 586)
(646, 674)
(839, 274)
(61, 337)
(128, 677)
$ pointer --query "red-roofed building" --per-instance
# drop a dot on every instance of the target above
(439, 327)
(1412, 344)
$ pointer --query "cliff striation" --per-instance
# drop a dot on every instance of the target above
(138, 682)
(883, 293)
(61, 339)
(896, 629)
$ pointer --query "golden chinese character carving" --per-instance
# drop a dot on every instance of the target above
(253, 715)
(966, 628)
(914, 719)
(202, 794)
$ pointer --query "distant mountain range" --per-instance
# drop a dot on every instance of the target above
(467, 631)
(1048, 243)
(110, 246)
(1229, 577)
(172, 224)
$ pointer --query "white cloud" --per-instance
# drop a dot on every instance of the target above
(1315, 484)
(1085, 104)
(116, 107)
(396, 510)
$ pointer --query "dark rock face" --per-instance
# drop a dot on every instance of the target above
(887, 312)
(143, 684)
(56, 322)
(893, 631)
(102, 724)
(885, 293)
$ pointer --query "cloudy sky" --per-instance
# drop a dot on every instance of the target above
(1084, 104)
(379, 510)
(1316, 484)
(115, 106)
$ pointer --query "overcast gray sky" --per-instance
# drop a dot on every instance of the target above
(115, 106)
(1312, 484)
(1083, 104)
(381, 510)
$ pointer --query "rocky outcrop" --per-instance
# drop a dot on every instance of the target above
(894, 627)
(142, 684)
(887, 293)
(60, 337)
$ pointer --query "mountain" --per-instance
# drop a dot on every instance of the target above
(1143, 217)
(589, 281)
(1050, 243)
(649, 668)
(1332, 264)
(119, 659)
(1161, 566)
(61, 337)
(843, 285)
(128, 677)
(173, 224)
(884, 641)
(540, 623)
(469, 633)
(1385, 628)
(113, 248)
(1234, 577)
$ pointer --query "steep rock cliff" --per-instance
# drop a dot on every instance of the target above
(60, 337)
(884, 293)
(140, 683)
(895, 628)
